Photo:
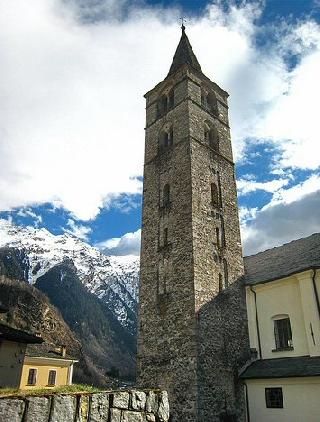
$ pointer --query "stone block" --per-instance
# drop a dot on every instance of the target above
(63, 408)
(82, 409)
(99, 408)
(121, 400)
(115, 415)
(11, 410)
(163, 411)
(138, 400)
(38, 409)
(129, 416)
(152, 402)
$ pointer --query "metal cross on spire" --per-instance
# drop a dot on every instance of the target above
(183, 21)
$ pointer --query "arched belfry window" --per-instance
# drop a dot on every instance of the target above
(214, 139)
(211, 136)
(166, 195)
(214, 195)
(206, 133)
(209, 101)
(166, 137)
(165, 102)
(162, 106)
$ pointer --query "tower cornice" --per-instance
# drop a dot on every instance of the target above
(186, 71)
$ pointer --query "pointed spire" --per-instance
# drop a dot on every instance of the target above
(184, 54)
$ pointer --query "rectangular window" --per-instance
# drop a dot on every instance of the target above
(220, 283)
(218, 237)
(225, 269)
(282, 333)
(165, 237)
(52, 377)
(32, 377)
(274, 398)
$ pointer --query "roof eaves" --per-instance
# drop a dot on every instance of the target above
(269, 280)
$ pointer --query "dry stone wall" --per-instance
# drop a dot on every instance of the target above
(118, 406)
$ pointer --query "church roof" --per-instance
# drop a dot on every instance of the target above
(184, 55)
(291, 258)
(302, 366)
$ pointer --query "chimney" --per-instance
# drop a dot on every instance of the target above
(63, 351)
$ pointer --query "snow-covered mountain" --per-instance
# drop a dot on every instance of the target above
(114, 279)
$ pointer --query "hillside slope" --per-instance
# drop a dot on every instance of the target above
(113, 279)
(109, 345)
(92, 331)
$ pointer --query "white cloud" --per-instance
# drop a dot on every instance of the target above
(77, 230)
(287, 196)
(126, 203)
(128, 244)
(281, 223)
(292, 213)
(246, 186)
(247, 214)
(72, 111)
(27, 212)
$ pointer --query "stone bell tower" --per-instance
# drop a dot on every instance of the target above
(191, 249)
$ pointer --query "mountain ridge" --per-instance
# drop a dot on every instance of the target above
(96, 295)
(113, 279)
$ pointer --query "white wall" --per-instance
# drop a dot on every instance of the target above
(295, 297)
(301, 400)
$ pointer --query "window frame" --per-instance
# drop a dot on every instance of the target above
(32, 379)
(51, 371)
(282, 330)
(271, 402)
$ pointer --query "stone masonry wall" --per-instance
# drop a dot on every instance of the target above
(223, 348)
(118, 406)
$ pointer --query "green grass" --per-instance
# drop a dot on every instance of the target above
(74, 388)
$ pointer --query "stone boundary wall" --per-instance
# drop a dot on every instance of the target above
(117, 406)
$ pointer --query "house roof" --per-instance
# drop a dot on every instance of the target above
(302, 366)
(46, 350)
(184, 55)
(19, 336)
(291, 258)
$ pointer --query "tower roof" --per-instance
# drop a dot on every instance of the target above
(184, 54)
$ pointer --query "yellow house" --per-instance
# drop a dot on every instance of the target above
(283, 288)
(46, 366)
(13, 344)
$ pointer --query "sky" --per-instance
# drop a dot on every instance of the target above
(72, 114)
